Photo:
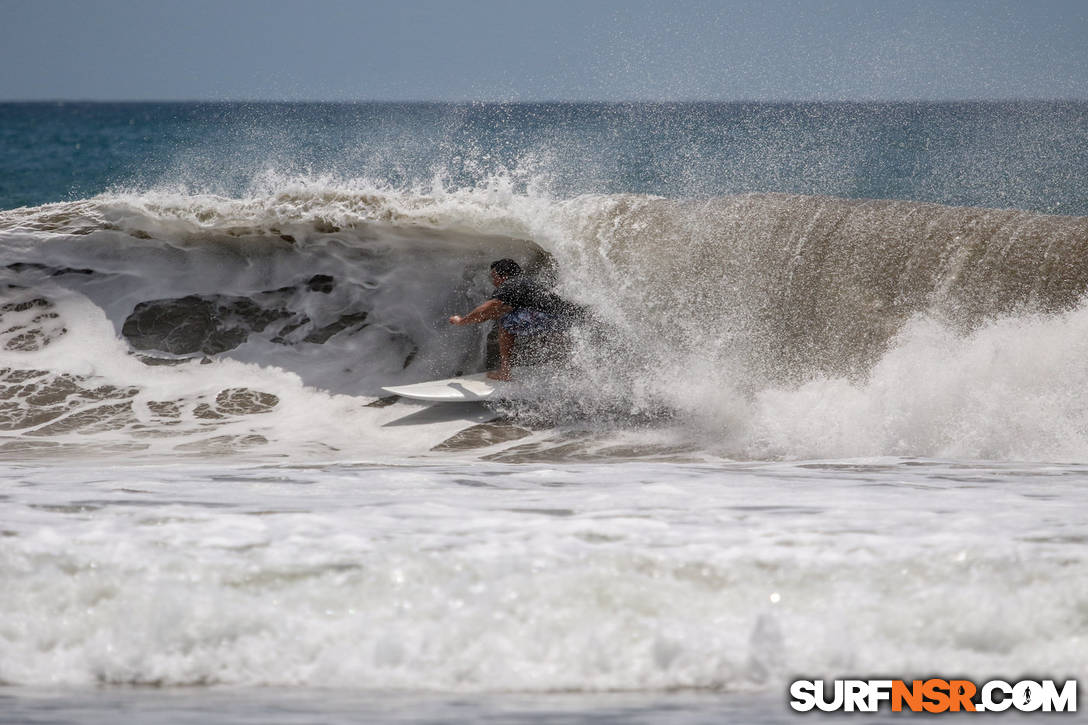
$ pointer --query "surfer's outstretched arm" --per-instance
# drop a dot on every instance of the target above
(491, 310)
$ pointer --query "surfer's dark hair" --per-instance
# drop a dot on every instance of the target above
(506, 268)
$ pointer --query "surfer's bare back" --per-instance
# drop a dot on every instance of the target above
(522, 306)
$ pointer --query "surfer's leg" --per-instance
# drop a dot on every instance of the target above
(506, 350)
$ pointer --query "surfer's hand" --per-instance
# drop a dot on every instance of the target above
(456, 320)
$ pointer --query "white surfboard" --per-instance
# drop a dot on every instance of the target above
(451, 390)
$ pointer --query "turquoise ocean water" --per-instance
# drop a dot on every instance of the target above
(1026, 155)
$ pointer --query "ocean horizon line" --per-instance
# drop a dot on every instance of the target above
(545, 102)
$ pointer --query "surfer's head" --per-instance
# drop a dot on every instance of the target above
(504, 269)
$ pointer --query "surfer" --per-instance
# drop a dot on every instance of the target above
(523, 307)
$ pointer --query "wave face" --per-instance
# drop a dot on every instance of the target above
(817, 284)
(760, 324)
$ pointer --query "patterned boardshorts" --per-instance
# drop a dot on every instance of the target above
(527, 321)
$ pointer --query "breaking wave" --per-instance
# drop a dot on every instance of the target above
(758, 325)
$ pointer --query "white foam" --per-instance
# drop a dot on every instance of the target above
(488, 578)
(304, 422)
(1014, 389)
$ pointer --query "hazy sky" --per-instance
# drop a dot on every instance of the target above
(546, 49)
